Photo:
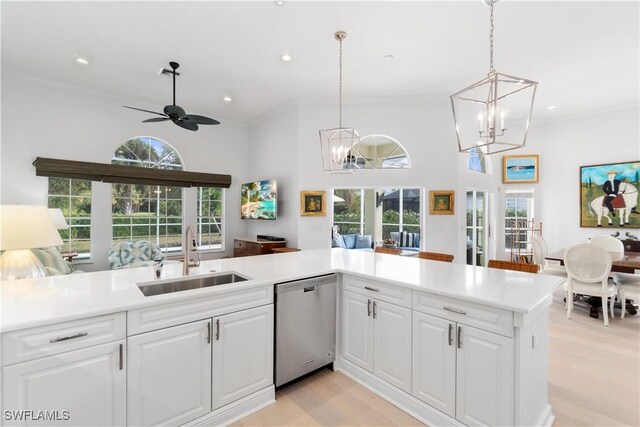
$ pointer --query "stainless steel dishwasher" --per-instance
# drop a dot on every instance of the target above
(305, 326)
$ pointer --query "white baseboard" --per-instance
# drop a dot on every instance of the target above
(238, 409)
(397, 397)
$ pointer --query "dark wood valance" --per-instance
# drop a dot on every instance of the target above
(119, 174)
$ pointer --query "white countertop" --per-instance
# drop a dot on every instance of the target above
(34, 302)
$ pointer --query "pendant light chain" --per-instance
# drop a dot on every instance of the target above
(340, 89)
(491, 69)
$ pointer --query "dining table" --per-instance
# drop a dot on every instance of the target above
(621, 262)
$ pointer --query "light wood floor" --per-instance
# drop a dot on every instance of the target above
(594, 380)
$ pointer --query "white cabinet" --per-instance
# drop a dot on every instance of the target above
(357, 330)
(485, 378)
(434, 362)
(169, 377)
(463, 371)
(376, 336)
(242, 354)
(89, 383)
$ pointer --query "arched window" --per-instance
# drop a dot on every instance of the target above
(147, 212)
(380, 152)
(477, 161)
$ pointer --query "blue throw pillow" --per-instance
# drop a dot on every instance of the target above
(416, 240)
(363, 241)
(336, 241)
(349, 240)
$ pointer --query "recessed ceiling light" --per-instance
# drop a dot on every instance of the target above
(286, 57)
(227, 99)
(388, 57)
(81, 60)
(552, 107)
(279, 2)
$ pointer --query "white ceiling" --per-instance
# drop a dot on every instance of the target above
(586, 55)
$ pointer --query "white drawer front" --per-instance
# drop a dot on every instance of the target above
(378, 290)
(481, 316)
(33, 343)
(177, 313)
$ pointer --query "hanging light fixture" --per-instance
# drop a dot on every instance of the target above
(493, 115)
(337, 144)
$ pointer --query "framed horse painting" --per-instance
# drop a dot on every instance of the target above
(609, 195)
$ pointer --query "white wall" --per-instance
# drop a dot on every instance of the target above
(422, 125)
(49, 120)
(273, 154)
(564, 145)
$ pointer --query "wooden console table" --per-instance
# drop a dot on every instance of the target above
(249, 247)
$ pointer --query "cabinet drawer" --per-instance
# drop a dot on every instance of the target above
(378, 290)
(177, 313)
(481, 316)
(33, 343)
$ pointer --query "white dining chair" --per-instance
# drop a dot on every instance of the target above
(628, 285)
(588, 268)
(608, 243)
(540, 253)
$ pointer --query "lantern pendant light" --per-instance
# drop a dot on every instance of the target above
(493, 115)
(337, 144)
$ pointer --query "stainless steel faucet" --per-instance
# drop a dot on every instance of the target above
(189, 246)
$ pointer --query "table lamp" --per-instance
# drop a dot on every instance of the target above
(58, 218)
(23, 227)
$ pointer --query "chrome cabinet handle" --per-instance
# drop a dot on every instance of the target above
(374, 309)
(459, 337)
(208, 332)
(121, 351)
(454, 310)
(217, 329)
(450, 334)
(371, 289)
(368, 308)
(70, 337)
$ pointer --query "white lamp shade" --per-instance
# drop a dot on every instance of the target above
(27, 227)
(58, 218)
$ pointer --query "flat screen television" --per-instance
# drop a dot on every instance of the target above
(259, 200)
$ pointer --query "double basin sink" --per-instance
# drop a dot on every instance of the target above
(189, 283)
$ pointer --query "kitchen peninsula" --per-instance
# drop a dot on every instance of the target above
(448, 343)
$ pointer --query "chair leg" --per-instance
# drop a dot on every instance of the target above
(569, 304)
(605, 312)
(623, 302)
(611, 305)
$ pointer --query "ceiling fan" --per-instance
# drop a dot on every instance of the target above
(175, 113)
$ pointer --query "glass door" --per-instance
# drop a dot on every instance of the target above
(477, 225)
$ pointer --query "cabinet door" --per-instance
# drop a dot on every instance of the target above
(434, 362)
(242, 354)
(89, 383)
(357, 330)
(484, 378)
(392, 344)
(169, 379)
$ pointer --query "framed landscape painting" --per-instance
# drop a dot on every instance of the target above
(609, 195)
(520, 169)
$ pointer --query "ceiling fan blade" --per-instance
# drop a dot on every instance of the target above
(186, 124)
(146, 111)
(174, 111)
(201, 120)
(156, 119)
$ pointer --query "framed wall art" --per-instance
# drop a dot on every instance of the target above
(313, 203)
(609, 195)
(441, 202)
(521, 169)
